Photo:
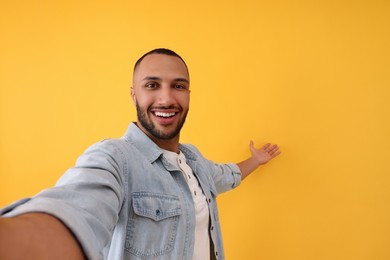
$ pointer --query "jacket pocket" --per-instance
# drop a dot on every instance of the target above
(152, 224)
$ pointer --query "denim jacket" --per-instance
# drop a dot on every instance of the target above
(124, 200)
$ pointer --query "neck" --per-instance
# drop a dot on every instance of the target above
(171, 144)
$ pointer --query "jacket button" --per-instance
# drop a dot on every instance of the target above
(158, 212)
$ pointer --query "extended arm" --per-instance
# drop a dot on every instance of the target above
(258, 157)
(37, 236)
(86, 200)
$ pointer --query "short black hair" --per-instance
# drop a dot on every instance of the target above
(160, 51)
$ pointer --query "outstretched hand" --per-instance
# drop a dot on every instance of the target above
(258, 157)
(265, 153)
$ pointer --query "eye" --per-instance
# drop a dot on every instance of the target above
(180, 87)
(151, 85)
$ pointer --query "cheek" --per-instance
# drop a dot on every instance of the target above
(142, 101)
(185, 100)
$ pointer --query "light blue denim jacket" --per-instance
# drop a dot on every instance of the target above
(124, 200)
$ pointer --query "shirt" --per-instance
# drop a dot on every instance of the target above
(202, 239)
(124, 200)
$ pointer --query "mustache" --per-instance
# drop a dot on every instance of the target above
(166, 108)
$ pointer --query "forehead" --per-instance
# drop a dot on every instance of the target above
(162, 66)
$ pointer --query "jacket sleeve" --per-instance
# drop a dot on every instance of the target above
(87, 198)
(225, 176)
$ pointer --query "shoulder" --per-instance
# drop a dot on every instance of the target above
(106, 146)
(192, 152)
(107, 150)
(190, 149)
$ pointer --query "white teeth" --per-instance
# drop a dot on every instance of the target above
(164, 114)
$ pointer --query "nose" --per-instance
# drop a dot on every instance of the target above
(165, 96)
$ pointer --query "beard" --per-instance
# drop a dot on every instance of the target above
(151, 127)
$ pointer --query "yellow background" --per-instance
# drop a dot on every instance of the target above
(312, 76)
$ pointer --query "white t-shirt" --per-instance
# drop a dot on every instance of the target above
(202, 239)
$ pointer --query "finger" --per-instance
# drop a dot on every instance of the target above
(273, 148)
(251, 145)
(275, 154)
(266, 146)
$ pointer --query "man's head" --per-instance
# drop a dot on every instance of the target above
(161, 94)
(159, 51)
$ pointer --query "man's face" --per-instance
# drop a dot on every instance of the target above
(161, 94)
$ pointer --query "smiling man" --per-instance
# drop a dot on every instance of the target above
(144, 196)
(161, 94)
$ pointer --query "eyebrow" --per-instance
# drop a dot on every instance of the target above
(159, 79)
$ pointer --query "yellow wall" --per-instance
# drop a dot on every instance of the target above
(312, 76)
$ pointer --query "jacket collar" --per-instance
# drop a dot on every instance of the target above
(147, 147)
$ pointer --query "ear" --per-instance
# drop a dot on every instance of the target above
(132, 92)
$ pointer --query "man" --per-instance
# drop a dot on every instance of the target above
(144, 196)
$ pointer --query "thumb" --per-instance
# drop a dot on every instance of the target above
(251, 145)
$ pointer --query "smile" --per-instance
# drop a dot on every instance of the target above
(164, 114)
